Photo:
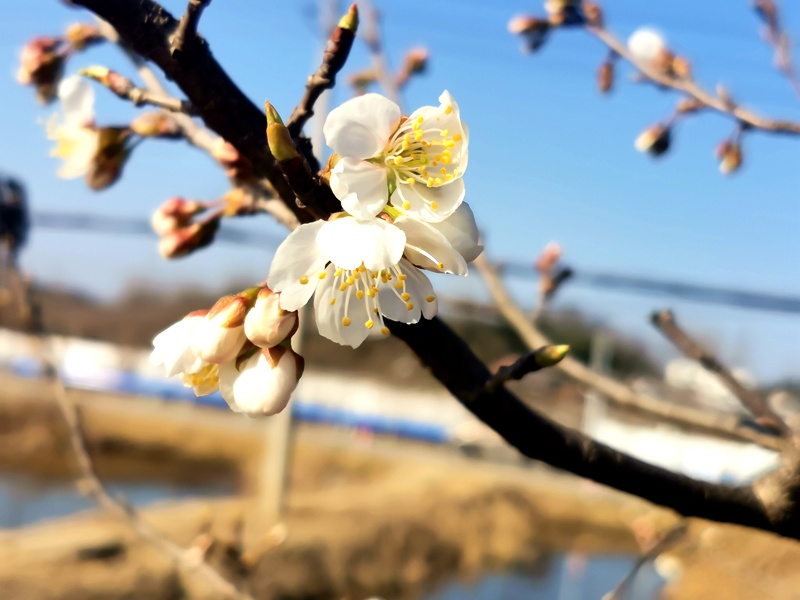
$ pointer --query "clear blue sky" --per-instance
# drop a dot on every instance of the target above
(550, 159)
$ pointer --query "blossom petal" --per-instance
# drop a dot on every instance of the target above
(297, 257)
(430, 249)
(348, 243)
(330, 315)
(256, 388)
(448, 197)
(419, 286)
(360, 127)
(77, 100)
(462, 232)
(362, 187)
(393, 307)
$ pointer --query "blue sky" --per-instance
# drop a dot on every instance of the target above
(550, 159)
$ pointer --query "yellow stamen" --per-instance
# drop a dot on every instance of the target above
(322, 275)
(304, 280)
(359, 294)
(409, 306)
(440, 265)
(430, 298)
(457, 137)
(369, 324)
(333, 301)
(448, 109)
(434, 205)
(346, 321)
(343, 287)
(385, 330)
(411, 181)
(405, 296)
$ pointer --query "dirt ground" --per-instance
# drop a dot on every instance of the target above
(364, 516)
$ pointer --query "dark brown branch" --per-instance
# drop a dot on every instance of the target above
(665, 322)
(535, 436)
(186, 32)
(145, 27)
(336, 52)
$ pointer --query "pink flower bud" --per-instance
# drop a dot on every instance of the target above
(186, 240)
(174, 214)
(220, 336)
(267, 324)
(261, 383)
(41, 65)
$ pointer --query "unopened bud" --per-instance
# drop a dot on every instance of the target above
(174, 214)
(187, 239)
(157, 125)
(361, 80)
(350, 20)
(593, 13)
(41, 65)
(112, 152)
(278, 137)
(681, 67)
(605, 77)
(267, 324)
(81, 35)
(236, 165)
(654, 140)
(533, 30)
(220, 337)
(647, 46)
(551, 355)
(729, 154)
(116, 82)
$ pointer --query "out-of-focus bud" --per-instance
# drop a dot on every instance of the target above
(767, 10)
(647, 46)
(564, 12)
(81, 35)
(116, 82)
(654, 140)
(112, 152)
(261, 382)
(688, 105)
(605, 76)
(187, 239)
(681, 67)
(330, 165)
(236, 166)
(729, 154)
(41, 65)
(593, 13)
(267, 324)
(174, 214)
(550, 255)
(238, 202)
(220, 337)
(414, 62)
(533, 31)
(156, 124)
(361, 80)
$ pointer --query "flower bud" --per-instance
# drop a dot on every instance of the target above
(414, 62)
(729, 153)
(187, 239)
(605, 77)
(116, 82)
(550, 255)
(593, 13)
(278, 137)
(550, 355)
(533, 30)
(220, 337)
(41, 65)
(361, 80)
(654, 140)
(681, 67)
(156, 124)
(81, 35)
(172, 347)
(267, 324)
(236, 165)
(350, 20)
(647, 46)
(174, 214)
(261, 382)
(112, 152)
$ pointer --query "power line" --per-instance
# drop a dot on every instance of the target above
(595, 279)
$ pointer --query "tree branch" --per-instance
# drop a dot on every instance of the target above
(665, 322)
(617, 392)
(186, 32)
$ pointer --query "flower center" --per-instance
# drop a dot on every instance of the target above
(422, 152)
(208, 376)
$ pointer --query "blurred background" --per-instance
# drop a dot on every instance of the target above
(383, 485)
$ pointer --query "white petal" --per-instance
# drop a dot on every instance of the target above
(360, 127)
(420, 288)
(329, 316)
(172, 347)
(258, 389)
(77, 100)
(646, 45)
(362, 187)
(393, 307)
(428, 248)
(348, 243)
(462, 232)
(217, 344)
(448, 196)
(296, 257)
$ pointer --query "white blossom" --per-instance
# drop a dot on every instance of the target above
(414, 163)
(262, 383)
(75, 135)
(646, 45)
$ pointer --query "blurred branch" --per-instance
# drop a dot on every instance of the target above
(665, 322)
(88, 482)
(373, 39)
(124, 88)
(616, 391)
(691, 89)
(776, 37)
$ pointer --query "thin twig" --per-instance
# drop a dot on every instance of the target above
(690, 88)
(89, 483)
(374, 41)
(544, 357)
(616, 391)
(187, 27)
(124, 88)
(665, 322)
(777, 37)
(670, 538)
(334, 57)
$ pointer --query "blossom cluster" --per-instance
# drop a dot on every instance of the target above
(240, 347)
(399, 180)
